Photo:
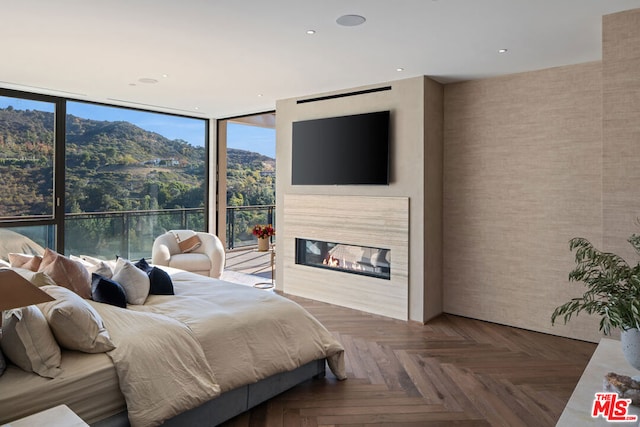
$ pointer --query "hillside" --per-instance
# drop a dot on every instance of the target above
(114, 166)
(251, 178)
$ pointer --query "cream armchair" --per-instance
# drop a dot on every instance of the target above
(208, 259)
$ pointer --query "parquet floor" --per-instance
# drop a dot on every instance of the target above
(453, 371)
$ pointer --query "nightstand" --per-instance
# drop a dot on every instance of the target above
(58, 416)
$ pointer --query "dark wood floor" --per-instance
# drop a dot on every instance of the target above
(453, 371)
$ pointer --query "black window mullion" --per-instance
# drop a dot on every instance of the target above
(59, 173)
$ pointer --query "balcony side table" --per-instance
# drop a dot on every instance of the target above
(269, 285)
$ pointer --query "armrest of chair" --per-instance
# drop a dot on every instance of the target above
(160, 253)
(213, 248)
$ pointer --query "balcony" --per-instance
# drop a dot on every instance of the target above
(130, 234)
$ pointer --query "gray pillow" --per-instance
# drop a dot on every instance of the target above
(28, 342)
(135, 282)
(76, 325)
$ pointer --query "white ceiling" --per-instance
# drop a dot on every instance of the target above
(227, 58)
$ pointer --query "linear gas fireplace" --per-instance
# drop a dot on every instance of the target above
(364, 260)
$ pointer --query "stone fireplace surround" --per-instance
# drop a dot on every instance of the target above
(380, 222)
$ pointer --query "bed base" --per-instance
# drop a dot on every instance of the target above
(233, 402)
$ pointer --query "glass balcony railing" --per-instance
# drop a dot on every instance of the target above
(130, 234)
(242, 219)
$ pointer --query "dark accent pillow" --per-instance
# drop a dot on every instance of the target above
(161, 283)
(143, 265)
(160, 280)
(107, 291)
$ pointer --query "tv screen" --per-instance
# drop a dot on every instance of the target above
(346, 150)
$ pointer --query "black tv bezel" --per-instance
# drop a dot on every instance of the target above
(298, 180)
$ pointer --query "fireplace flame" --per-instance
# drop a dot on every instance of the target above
(331, 261)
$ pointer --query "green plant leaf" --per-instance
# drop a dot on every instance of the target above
(612, 287)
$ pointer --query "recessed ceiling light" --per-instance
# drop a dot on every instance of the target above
(503, 50)
(311, 32)
(147, 80)
(350, 20)
(399, 69)
(260, 95)
(165, 75)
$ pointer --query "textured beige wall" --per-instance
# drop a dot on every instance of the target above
(433, 169)
(621, 131)
(407, 105)
(522, 175)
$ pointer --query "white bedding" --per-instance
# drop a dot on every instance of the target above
(234, 335)
(263, 333)
(162, 370)
(245, 335)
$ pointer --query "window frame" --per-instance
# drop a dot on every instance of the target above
(59, 168)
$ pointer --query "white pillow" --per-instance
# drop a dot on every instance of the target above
(75, 324)
(94, 265)
(134, 281)
(28, 342)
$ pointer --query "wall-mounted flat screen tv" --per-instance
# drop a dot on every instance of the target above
(345, 150)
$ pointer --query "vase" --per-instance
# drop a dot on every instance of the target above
(263, 244)
(630, 340)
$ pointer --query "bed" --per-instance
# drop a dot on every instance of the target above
(199, 357)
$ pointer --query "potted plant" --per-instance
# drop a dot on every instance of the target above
(263, 233)
(613, 293)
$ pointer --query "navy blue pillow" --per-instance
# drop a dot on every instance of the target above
(159, 279)
(161, 283)
(143, 265)
(107, 291)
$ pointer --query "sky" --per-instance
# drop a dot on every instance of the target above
(252, 138)
(171, 127)
(244, 137)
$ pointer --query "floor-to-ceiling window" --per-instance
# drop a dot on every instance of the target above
(130, 176)
(115, 179)
(28, 145)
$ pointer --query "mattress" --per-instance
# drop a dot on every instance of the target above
(88, 385)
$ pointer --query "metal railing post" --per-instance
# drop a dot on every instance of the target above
(270, 220)
(125, 225)
(232, 222)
